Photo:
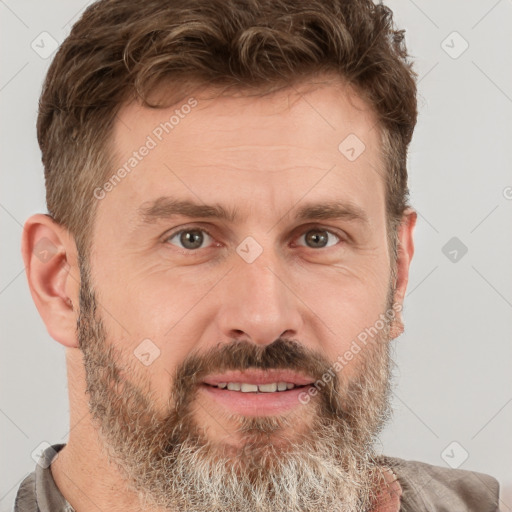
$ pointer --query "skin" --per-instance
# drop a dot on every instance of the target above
(266, 157)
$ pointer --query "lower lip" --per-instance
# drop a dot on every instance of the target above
(257, 404)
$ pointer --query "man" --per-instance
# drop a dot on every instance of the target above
(226, 256)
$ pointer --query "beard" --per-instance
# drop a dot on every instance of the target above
(167, 459)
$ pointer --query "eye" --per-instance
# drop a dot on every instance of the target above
(318, 238)
(190, 239)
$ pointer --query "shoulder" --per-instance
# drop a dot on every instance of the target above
(437, 488)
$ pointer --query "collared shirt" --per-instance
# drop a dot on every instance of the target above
(412, 487)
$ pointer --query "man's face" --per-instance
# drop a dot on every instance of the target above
(189, 308)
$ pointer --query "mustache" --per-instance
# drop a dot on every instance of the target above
(281, 354)
(243, 355)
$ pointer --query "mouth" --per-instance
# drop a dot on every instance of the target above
(257, 392)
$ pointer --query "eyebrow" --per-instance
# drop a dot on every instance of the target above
(167, 207)
(333, 210)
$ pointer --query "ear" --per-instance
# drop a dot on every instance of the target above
(51, 264)
(404, 258)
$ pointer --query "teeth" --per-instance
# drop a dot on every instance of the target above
(246, 387)
(268, 388)
(249, 388)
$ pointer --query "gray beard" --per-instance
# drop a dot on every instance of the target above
(170, 463)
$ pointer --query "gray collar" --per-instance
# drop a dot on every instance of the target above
(425, 487)
(38, 492)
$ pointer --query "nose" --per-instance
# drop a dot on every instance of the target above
(257, 303)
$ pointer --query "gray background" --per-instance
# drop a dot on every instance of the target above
(453, 379)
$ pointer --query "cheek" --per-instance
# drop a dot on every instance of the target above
(149, 302)
(346, 304)
(136, 327)
(150, 369)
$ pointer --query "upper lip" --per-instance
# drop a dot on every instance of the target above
(259, 377)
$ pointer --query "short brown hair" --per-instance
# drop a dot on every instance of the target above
(121, 50)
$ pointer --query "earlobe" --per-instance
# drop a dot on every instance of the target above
(404, 258)
(50, 258)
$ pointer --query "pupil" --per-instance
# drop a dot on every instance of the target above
(318, 238)
(191, 239)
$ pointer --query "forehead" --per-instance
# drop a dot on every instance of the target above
(319, 141)
(317, 114)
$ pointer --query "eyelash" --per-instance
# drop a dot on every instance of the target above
(194, 228)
